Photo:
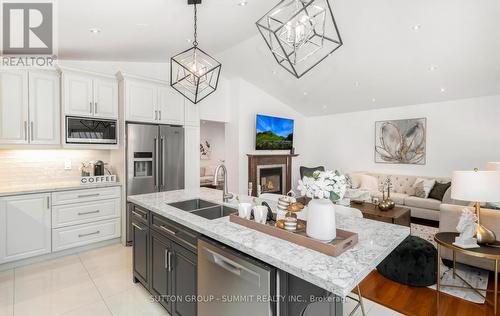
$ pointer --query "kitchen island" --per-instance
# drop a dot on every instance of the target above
(337, 275)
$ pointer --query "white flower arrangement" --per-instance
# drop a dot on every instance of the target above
(324, 185)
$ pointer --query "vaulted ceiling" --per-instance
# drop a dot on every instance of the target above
(396, 52)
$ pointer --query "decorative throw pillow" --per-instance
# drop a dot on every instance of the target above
(368, 183)
(355, 180)
(439, 190)
(423, 187)
(493, 206)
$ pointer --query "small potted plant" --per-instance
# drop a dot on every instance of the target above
(325, 188)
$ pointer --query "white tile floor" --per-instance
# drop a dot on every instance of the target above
(96, 283)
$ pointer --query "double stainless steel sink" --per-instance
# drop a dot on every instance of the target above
(204, 208)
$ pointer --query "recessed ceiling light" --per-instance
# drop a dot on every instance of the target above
(443, 89)
(274, 72)
(356, 83)
(142, 24)
(305, 93)
(189, 40)
(432, 68)
(416, 27)
(374, 100)
(95, 30)
(242, 3)
(324, 107)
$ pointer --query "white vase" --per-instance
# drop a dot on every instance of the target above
(321, 220)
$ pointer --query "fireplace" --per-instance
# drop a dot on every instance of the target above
(272, 172)
(271, 178)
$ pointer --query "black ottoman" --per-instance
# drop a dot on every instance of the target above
(412, 263)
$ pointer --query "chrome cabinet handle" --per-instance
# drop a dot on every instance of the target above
(137, 214)
(159, 115)
(48, 202)
(88, 195)
(26, 131)
(89, 234)
(169, 261)
(156, 115)
(95, 107)
(137, 226)
(31, 125)
(90, 212)
(168, 230)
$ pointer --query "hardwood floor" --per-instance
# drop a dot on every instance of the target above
(415, 301)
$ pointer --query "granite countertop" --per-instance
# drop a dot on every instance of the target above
(32, 188)
(339, 275)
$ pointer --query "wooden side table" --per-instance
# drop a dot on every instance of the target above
(446, 240)
(398, 215)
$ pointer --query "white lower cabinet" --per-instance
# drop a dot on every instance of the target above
(80, 213)
(37, 224)
(25, 226)
(80, 235)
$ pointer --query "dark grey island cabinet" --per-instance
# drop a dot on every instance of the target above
(165, 262)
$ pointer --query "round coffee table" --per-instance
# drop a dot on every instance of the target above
(446, 240)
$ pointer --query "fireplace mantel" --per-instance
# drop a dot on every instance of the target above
(255, 160)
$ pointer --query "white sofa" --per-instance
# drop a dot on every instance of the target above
(403, 194)
(207, 175)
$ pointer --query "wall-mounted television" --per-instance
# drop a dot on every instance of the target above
(273, 133)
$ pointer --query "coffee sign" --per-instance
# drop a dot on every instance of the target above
(98, 179)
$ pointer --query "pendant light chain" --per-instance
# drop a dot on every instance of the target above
(195, 42)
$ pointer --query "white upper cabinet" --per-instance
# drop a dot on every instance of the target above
(192, 114)
(140, 101)
(25, 223)
(105, 98)
(170, 106)
(78, 98)
(89, 95)
(13, 107)
(44, 108)
(151, 101)
(29, 107)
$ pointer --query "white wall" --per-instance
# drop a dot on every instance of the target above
(247, 101)
(215, 133)
(461, 135)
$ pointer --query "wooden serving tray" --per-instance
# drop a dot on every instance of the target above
(345, 239)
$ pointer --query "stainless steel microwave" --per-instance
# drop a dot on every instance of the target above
(81, 130)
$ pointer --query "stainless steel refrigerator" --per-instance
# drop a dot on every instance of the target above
(155, 160)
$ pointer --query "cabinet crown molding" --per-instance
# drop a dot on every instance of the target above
(123, 76)
(63, 69)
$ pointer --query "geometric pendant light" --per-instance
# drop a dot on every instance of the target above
(194, 73)
(300, 34)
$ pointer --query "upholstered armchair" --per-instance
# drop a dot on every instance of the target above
(307, 172)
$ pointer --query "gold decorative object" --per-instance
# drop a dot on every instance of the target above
(294, 208)
(483, 234)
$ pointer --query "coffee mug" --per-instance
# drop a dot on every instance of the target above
(244, 210)
(260, 213)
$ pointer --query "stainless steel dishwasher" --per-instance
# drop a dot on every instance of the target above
(230, 283)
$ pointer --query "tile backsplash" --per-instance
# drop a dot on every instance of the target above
(24, 167)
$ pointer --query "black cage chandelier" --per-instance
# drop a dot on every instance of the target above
(194, 73)
(300, 34)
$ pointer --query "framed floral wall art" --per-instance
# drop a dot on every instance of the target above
(401, 141)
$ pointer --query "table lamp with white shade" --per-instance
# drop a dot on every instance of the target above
(477, 186)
